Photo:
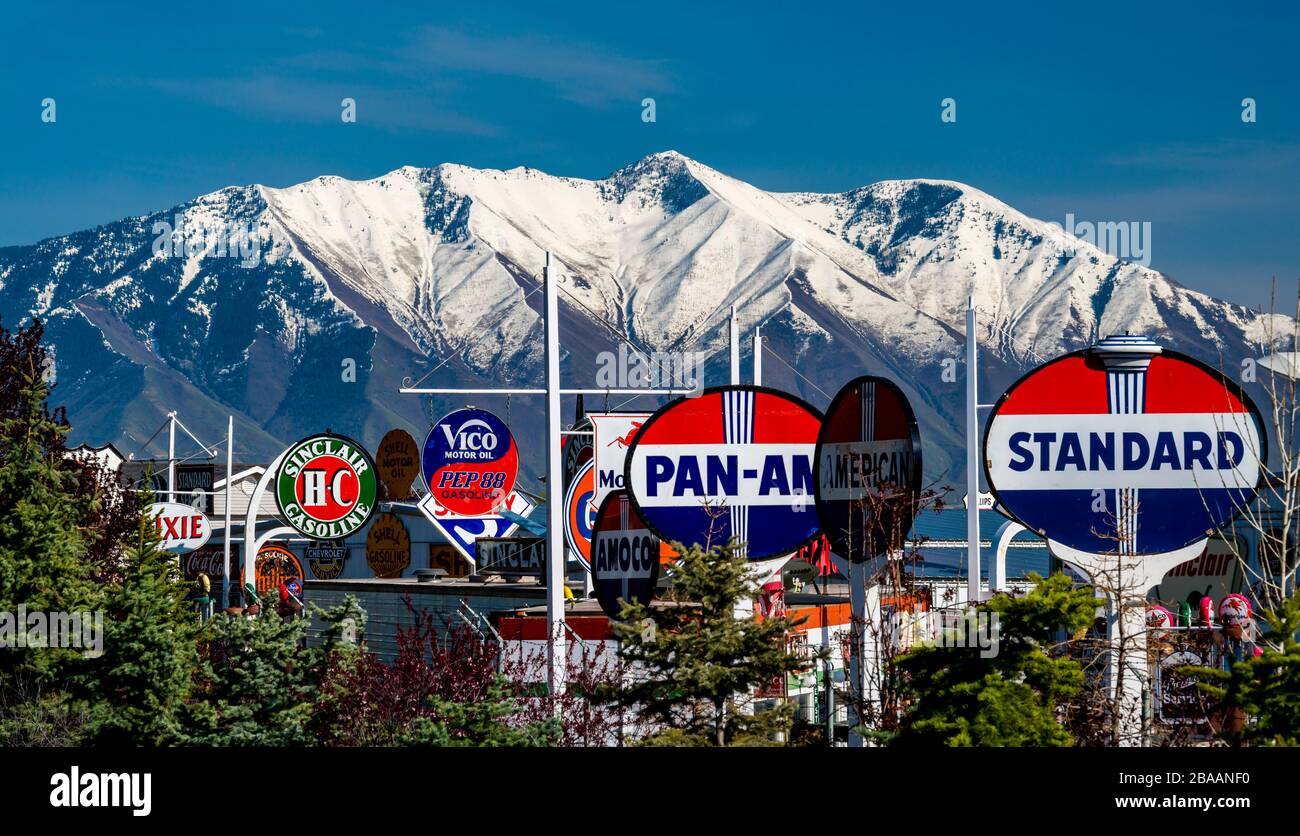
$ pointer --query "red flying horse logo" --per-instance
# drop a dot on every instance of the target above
(626, 440)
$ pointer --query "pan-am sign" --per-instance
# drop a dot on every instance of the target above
(181, 528)
(736, 461)
(1124, 447)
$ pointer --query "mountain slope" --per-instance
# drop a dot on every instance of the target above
(344, 288)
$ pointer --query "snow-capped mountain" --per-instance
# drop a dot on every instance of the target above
(437, 270)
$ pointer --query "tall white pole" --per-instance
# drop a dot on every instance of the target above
(735, 348)
(972, 458)
(556, 652)
(171, 457)
(758, 355)
(230, 468)
(857, 623)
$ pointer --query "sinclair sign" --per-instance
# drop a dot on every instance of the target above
(326, 487)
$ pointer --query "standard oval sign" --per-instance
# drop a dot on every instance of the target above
(326, 487)
(181, 528)
(868, 469)
(470, 462)
(736, 461)
(624, 556)
(1124, 448)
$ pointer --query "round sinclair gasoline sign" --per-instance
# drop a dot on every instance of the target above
(735, 461)
(1124, 448)
(326, 487)
(867, 469)
(470, 462)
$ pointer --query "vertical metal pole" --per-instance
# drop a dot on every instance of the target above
(556, 651)
(758, 355)
(735, 348)
(857, 623)
(230, 457)
(171, 457)
(830, 704)
(972, 458)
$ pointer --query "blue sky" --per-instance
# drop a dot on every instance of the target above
(1131, 113)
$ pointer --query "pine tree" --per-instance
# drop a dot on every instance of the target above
(696, 663)
(139, 685)
(1266, 687)
(254, 685)
(482, 722)
(42, 551)
(960, 697)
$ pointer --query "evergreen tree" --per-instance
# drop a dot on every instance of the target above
(958, 697)
(482, 722)
(137, 688)
(696, 663)
(1265, 687)
(42, 551)
(254, 685)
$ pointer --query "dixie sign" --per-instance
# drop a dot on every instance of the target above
(181, 528)
(736, 461)
(1124, 447)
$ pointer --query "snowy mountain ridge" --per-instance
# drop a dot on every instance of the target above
(402, 272)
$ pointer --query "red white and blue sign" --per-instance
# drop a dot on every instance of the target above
(732, 462)
(1124, 448)
(868, 469)
(624, 556)
(470, 462)
(464, 531)
(580, 513)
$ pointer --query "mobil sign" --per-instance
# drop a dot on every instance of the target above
(1124, 448)
(181, 528)
(612, 434)
(733, 462)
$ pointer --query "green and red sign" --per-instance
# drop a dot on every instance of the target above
(326, 487)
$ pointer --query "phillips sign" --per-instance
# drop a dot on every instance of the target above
(1124, 448)
(737, 461)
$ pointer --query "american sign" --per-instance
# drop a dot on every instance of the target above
(1126, 448)
(868, 469)
(736, 461)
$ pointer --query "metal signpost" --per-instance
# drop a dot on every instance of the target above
(1125, 457)
(556, 650)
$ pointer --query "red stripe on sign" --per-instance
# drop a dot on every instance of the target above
(778, 421)
(1176, 386)
(690, 421)
(1070, 386)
